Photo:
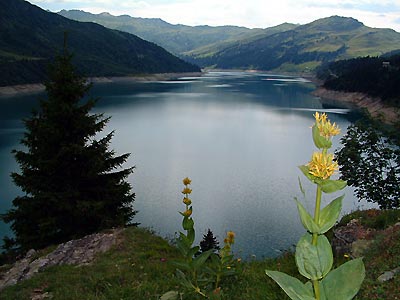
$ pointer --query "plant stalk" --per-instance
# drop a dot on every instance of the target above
(316, 213)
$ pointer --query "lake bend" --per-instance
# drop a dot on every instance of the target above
(238, 135)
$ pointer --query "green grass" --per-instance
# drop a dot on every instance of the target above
(135, 269)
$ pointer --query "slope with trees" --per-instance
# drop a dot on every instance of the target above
(73, 183)
(29, 37)
(374, 76)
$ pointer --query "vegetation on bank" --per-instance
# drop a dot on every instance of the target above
(374, 76)
(140, 268)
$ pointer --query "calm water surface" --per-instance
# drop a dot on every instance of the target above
(238, 136)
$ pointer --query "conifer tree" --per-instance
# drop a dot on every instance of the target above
(73, 184)
(209, 242)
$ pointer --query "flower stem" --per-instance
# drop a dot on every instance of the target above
(316, 213)
(315, 235)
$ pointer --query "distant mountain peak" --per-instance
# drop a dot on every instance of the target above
(335, 23)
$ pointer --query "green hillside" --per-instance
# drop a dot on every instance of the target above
(304, 47)
(179, 39)
(30, 37)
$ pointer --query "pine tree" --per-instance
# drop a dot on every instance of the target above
(73, 184)
(209, 242)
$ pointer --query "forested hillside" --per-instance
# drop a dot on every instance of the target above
(30, 36)
(375, 76)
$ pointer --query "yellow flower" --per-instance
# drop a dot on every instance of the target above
(186, 181)
(186, 191)
(230, 237)
(322, 165)
(325, 127)
(187, 213)
(187, 201)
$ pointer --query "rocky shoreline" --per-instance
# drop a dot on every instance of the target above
(374, 106)
(21, 89)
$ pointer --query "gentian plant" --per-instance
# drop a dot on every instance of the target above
(314, 257)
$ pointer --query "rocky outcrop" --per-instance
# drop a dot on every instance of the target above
(76, 252)
(352, 239)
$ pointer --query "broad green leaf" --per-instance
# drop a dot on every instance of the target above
(329, 214)
(320, 141)
(187, 223)
(330, 186)
(171, 295)
(344, 282)
(293, 287)
(201, 259)
(306, 219)
(306, 171)
(190, 236)
(314, 262)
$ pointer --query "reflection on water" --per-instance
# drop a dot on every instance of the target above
(237, 136)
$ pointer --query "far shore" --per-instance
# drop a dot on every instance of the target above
(20, 89)
(374, 105)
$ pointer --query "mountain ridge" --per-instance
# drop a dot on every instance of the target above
(30, 37)
(286, 47)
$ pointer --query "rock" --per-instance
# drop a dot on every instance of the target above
(358, 247)
(75, 252)
(345, 236)
(388, 275)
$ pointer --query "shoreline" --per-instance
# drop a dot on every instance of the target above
(374, 106)
(33, 88)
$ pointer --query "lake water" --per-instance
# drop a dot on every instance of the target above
(238, 136)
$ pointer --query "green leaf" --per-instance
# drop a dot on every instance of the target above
(293, 287)
(344, 282)
(301, 187)
(181, 265)
(314, 262)
(187, 223)
(330, 186)
(171, 295)
(320, 141)
(329, 214)
(201, 259)
(183, 280)
(193, 251)
(190, 236)
(306, 219)
(306, 171)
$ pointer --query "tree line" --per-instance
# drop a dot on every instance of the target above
(375, 76)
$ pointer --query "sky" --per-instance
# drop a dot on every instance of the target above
(248, 13)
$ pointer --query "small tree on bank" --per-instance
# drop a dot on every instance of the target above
(73, 184)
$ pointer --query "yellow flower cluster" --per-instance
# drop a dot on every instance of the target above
(186, 181)
(187, 201)
(187, 213)
(186, 191)
(230, 238)
(322, 165)
(325, 127)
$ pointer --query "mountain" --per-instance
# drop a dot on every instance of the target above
(178, 39)
(304, 47)
(30, 37)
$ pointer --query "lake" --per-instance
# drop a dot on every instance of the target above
(239, 137)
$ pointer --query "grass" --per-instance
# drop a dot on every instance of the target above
(139, 267)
